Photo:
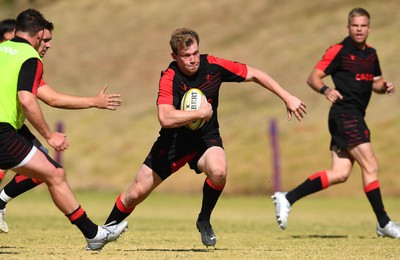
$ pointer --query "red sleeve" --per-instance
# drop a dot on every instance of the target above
(30, 75)
(42, 82)
(237, 68)
(328, 57)
(165, 95)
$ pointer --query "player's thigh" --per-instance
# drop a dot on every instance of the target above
(365, 157)
(39, 167)
(144, 182)
(342, 161)
(213, 161)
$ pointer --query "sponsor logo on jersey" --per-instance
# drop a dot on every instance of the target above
(364, 77)
(8, 50)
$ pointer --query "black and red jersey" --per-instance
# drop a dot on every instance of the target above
(353, 71)
(212, 72)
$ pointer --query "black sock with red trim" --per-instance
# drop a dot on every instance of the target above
(119, 212)
(374, 196)
(211, 194)
(316, 182)
(81, 220)
(18, 185)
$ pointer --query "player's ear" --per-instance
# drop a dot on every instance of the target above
(40, 34)
(173, 55)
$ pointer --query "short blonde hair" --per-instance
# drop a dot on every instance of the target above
(183, 38)
(356, 12)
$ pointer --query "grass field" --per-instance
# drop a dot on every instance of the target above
(163, 227)
(125, 43)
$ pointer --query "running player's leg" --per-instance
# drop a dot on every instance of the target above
(342, 164)
(365, 157)
(21, 184)
(146, 180)
(36, 165)
(17, 186)
(213, 164)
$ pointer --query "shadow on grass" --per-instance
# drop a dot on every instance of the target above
(7, 252)
(196, 250)
(319, 236)
(171, 250)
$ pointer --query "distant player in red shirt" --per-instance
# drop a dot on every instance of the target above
(355, 70)
(202, 149)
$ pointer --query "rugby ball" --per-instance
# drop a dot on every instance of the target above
(192, 101)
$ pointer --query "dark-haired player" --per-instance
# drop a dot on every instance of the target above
(21, 71)
(7, 29)
(20, 184)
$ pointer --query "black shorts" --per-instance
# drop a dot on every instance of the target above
(347, 130)
(16, 146)
(170, 153)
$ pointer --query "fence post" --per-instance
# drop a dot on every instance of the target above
(276, 175)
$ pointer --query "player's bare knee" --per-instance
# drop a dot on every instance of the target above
(217, 176)
(340, 176)
(371, 171)
(58, 176)
(136, 195)
(129, 200)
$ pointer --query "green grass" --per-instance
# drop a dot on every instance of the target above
(163, 227)
(125, 44)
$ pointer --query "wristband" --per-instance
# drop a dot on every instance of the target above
(323, 89)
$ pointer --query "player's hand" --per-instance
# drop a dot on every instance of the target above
(388, 88)
(110, 101)
(206, 108)
(58, 141)
(333, 95)
(295, 106)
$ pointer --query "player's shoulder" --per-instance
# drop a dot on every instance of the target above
(370, 48)
(335, 48)
(211, 59)
(169, 72)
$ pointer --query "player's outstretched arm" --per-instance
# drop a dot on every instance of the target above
(293, 104)
(57, 99)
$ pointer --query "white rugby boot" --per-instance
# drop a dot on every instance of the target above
(3, 224)
(106, 234)
(282, 208)
(392, 230)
